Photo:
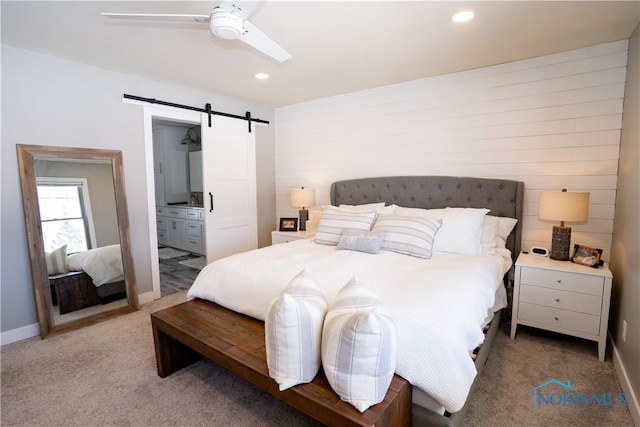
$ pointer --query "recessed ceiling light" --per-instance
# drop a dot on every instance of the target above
(464, 16)
(262, 76)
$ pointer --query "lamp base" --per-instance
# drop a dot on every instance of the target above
(304, 216)
(560, 243)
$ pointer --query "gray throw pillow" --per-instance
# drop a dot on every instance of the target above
(362, 241)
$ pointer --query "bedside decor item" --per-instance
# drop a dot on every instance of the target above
(302, 198)
(539, 250)
(587, 256)
(288, 224)
(563, 206)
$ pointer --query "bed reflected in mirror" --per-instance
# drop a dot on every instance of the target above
(78, 235)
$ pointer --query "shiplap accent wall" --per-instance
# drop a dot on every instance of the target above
(553, 122)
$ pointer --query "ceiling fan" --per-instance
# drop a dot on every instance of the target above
(227, 21)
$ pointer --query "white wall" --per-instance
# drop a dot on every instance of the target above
(50, 101)
(553, 122)
(625, 254)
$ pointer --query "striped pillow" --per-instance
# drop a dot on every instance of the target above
(359, 342)
(56, 260)
(408, 235)
(293, 327)
(334, 222)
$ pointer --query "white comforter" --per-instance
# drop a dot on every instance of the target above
(103, 265)
(439, 305)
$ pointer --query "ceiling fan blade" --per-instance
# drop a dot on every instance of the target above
(242, 9)
(159, 17)
(259, 40)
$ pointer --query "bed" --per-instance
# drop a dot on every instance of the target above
(439, 395)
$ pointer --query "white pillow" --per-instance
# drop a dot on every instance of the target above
(293, 328)
(368, 207)
(408, 235)
(505, 226)
(495, 231)
(334, 222)
(371, 207)
(461, 229)
(489, 234)
(56, 260)
(359, 342)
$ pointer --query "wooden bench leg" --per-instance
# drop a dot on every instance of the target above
(171, 354)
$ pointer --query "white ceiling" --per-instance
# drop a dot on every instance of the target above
(337, 47)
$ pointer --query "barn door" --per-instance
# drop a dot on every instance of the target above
(229, 179)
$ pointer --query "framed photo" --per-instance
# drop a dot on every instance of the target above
(288, 224)
(587, 256)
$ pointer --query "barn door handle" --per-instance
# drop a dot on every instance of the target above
(211, 201)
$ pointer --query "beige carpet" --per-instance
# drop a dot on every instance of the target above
(105, 374)
(505, 396)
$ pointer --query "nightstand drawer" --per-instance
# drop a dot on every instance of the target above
(278, 237)
(580, 322)
(572, 282)
(583, 303)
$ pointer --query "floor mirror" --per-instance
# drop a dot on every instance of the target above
(77, 225)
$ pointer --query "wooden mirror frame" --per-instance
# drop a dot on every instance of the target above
(26, 156)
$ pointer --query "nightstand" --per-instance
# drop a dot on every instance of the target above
(562, 296)
(278, 237)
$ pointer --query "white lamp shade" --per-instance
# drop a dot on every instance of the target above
(302, 197)
(564, 206)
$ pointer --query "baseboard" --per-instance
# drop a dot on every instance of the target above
(145, 298)
(19, 334)
(33, 330)
(625, 383)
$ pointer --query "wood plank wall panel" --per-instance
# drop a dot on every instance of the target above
(553, 122)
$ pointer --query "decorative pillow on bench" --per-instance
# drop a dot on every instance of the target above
(359, 346)
(293, 328)
(56, 261)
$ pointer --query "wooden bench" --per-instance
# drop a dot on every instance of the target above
(73, 291)
(186, 332)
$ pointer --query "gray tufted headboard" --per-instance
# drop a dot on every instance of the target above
(504, 197)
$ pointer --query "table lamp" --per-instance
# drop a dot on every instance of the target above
(563, 206)
(301, 198)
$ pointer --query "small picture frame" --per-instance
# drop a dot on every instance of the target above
(288, 224)
(587, 256)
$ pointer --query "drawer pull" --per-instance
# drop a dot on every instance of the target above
(557, 299)
(555, 318)
(559, 281)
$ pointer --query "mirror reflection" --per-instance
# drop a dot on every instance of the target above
(75, 212)
(77, 207)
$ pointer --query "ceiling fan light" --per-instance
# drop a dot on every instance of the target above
(226, 25)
